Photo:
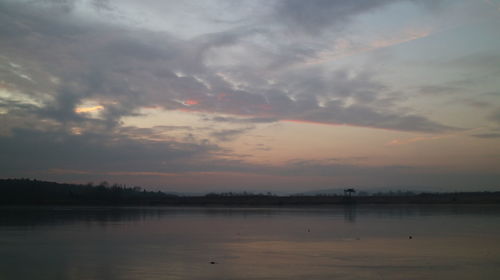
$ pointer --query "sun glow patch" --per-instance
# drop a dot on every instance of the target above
(88, 109)
(191, 102)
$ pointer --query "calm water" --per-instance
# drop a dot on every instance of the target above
(180, 243)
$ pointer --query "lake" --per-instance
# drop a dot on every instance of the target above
(350, 242)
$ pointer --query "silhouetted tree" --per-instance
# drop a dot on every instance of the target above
(348, 192)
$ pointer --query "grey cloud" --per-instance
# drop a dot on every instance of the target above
(392, 175)
(41, 150)
(456, 94)
(130, 69)
(339, 174)
(437, 89)
(63, 107)
(101, 5)
(365, 116)
(476, 103)
(67, 6)
(305, 106)
(125, 68)
(12, 106)
(17, 115)
(173, 127)
(239, 102)
(27, 19)
(322, 168)
(229, 134)
(133, 48)
(495, 116)
(163, 133)
(120, 70)
(290, 54)
(340, 84)
(485, 60)
(492, 93)
(316, 15)
(241, 120)
(487, 135)
(262, 147)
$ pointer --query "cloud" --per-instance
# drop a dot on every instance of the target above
(397, 142)
(487, 135)
(229, 134)
(36, 151)
(316, 15)
(495, 116)
(197, 166)
(492, 93)
(72, 70)
(125, 69)
(359, 115)
(438, 89)
(480, 60)
(74, 74)
(240, 120)
(343, 48)
(159, 133)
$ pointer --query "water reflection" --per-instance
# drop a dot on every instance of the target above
(350, 213)
(36, 216)
(351, 242)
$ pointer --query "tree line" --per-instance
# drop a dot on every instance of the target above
(36, 192)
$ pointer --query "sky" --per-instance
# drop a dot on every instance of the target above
(263, 95)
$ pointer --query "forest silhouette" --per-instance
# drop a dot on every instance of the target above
(36, 192)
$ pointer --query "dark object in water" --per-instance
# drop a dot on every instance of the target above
(410, 237)
(212, 262)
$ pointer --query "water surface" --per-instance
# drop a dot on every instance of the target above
(364, 242)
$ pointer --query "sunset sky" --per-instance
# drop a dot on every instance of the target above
(258, 95)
